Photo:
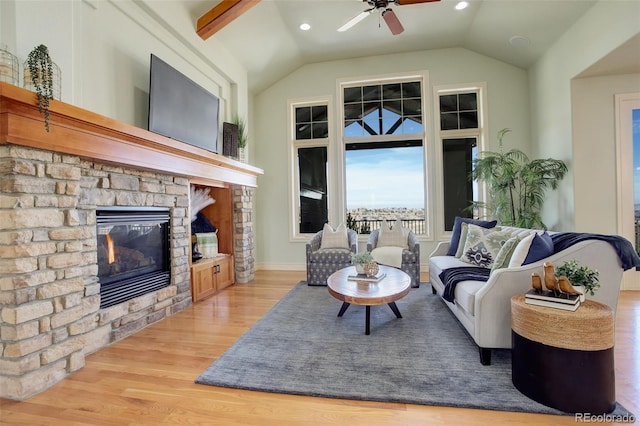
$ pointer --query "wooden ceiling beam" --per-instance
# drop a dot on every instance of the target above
(221, 15)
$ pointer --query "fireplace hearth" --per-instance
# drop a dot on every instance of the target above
(133, 252)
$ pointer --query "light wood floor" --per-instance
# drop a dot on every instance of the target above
(148, 378)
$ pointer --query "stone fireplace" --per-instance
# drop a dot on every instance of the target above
(64, 194)
(133, 252)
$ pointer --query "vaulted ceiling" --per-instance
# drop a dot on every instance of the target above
(267, 40)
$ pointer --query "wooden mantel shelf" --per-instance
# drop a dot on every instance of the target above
(89, 135)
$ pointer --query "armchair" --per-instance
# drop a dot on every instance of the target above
(410, 255)
(323, 262)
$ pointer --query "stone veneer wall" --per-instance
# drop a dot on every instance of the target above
(50, 316)
(243, 233)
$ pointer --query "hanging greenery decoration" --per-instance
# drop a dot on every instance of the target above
(41, 74)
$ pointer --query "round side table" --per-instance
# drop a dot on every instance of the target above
(564, 359)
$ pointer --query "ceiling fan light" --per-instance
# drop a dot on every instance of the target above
(354, 20)
(392, 21)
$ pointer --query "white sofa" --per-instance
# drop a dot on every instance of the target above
(484, 308)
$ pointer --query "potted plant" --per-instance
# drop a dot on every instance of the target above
(41, 75)
(362, 259)
(242, 137)
(516, 184)
(585, 279)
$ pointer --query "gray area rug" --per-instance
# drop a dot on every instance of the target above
(301, 347)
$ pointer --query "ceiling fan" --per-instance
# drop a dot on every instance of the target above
(386, 12)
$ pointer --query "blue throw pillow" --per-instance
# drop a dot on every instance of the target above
(541, 247)
(457, 224)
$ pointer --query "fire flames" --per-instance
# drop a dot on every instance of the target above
(111, 253)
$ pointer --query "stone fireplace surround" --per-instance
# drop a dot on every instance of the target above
(51, 184)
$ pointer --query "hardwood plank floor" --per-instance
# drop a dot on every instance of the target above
(148, 378)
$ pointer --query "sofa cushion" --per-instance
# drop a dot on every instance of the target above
(437, 264)
(331, 255)
(334, 238)
(504, 255)
(483, 245)
(396, 237)
(465, 294)
(455, 233)
(532, 248)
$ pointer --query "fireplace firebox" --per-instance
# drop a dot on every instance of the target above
(133, 252)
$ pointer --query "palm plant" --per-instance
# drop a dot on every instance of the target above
(516, 184)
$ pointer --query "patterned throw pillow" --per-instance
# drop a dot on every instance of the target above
(483, 245)
(396, 237)
(207, 244)
(334, 238)
(456, 240)
(505, 253)
(532, 248)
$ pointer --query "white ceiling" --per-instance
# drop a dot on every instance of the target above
(267, 40)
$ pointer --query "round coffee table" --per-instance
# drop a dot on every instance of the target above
(395, 285)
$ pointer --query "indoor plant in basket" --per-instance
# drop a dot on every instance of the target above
(583, 278)
(364, 263)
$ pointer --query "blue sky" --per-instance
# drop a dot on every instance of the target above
(379, 178)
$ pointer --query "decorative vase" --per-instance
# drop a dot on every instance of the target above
(359, 268)
(242, 154)
(371, 268)
(582, 290)
(56, 79)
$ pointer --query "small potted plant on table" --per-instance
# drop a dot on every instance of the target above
(364, 263)
(583, 278)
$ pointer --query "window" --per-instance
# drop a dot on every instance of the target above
(461, 135)
(383, 137)
(310, 164)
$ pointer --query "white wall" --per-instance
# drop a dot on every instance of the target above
(508, 103)
(103, 49)
(603, 28)
(594, 150)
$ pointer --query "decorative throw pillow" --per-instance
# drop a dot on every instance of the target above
(483, 245)
(464, 227)
(455, 233)
(396, 237)
(532, 248)
(505, 253)
(334, 238)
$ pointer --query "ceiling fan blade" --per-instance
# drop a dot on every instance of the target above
(359, 17)
(392, 22)
(403, 2)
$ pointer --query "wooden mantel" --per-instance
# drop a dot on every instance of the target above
(89, 135)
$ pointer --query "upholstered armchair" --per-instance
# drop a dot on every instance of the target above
(410, 255)
(322, 262)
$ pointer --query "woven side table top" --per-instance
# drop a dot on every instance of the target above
(589, 328)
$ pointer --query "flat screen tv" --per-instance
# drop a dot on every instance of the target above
(181, 109)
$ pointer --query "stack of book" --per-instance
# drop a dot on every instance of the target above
(367, 278)
(568, 302)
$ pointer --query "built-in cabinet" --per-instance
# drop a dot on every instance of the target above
(208, 276)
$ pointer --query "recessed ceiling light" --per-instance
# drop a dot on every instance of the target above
(462, 5)
(519, 41)
(305, 27)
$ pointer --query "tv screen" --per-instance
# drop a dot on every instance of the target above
(181, 109)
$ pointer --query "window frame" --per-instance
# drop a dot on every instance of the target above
(424, 136)
(294, 176)
(479, 133)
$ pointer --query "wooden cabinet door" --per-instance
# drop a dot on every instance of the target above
(202, 280)
(224, 273)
